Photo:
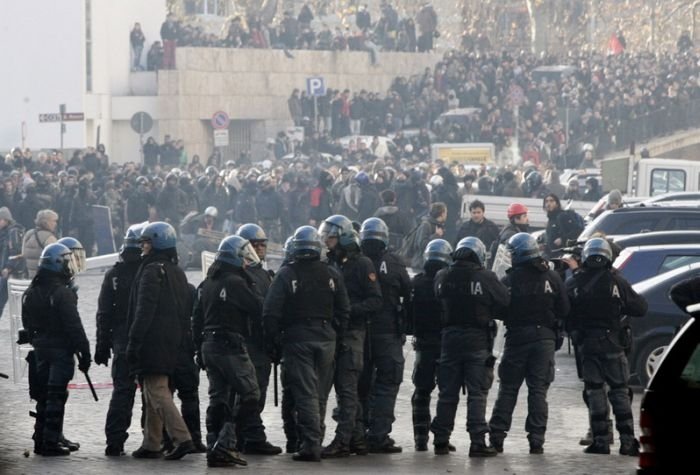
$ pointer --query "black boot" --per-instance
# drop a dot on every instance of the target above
(261, 448)
(335, 449)
(630, 448)
(597, 448)
(358, 445)
(480, 449)
(54, 450)
(72, 446)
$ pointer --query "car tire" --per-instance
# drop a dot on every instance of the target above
(649, 356)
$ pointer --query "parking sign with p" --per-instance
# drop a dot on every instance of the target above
(315, 86)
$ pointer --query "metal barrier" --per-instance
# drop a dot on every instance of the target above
(16, 288)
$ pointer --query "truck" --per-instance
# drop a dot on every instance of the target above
(649, 177)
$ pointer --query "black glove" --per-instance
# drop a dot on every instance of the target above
(273, 348)
(132, 358)
(199, 360)
(84, 361)
(102, 354)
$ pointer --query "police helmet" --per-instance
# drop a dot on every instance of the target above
(56, 258)
(252, 232)
(523, 248)
(130, 245)
(142, 180)
(307, 243)
(438, 250)
(211, 211)
(211, 170)
(160, 234)
(341, 227)
(532, 182)
(470, 248)
(375, 228)
(596, 253)
(289, 249)
(237, 251)
(78, 256)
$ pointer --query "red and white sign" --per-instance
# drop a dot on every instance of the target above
(220, 120)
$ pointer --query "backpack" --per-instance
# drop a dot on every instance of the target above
(577, 221)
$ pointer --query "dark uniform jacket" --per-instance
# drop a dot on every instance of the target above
(599, 297)
(159, 308)
(471, 297)
(396, 290)
(113, 305)
(538, 302)
(50, 314)
(226, 303)
(424, 312)
(363, 290)
(307, 301)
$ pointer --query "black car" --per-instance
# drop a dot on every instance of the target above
(626, 221)
(638, 263)
(653, 332)
(670, 408)
(656, 238)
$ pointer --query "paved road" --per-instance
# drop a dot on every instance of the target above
(85, 422)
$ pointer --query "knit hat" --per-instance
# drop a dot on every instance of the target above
(5, 214)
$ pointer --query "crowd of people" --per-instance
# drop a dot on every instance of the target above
(599, 103)
(389, 32)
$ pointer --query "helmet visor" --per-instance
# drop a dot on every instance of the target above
(249, 256)
(328, 230)
(78, 261)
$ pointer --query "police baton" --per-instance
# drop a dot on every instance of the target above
(274, 375)
(92, 388)
(4, 376)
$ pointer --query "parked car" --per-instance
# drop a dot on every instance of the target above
(656, 238)
(626, 221)
(652, 333)
(670, 401)
(669, 197)
(638, 263)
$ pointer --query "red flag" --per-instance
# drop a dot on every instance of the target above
(614, 45)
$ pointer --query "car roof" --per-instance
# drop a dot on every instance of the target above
(663, 247)
(649, 284)
(659, 208)
(676, 196)
(656, 238)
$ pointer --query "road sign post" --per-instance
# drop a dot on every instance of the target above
(315, 87)
(141, 123)
(62, 117)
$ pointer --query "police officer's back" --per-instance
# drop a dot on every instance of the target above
(50, 315)
(424, 313)
(538, 303)
(112, 337)
(305, 309)
(600, 296)
(471, 298)
(226, 307)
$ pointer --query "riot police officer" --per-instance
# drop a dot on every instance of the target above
(112, 337)
(226, 306)
(425, 323)
(305, 309)
(600, 296)
(360, 279)
(289, 417)
(471, 297)
(50, 316)
(538, 305)
(384, 361)
(251, 435)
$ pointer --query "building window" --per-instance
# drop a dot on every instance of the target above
(205, 7)
(88, 45)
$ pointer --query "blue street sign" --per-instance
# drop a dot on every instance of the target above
(315, 86)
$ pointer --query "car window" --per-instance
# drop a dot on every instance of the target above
(691, 370)
(635, 226)
(674, 262)
(684, 223)
(665, 181)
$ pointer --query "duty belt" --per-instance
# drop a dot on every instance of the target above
(222, 336)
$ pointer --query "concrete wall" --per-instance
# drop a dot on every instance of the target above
(254, 85)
